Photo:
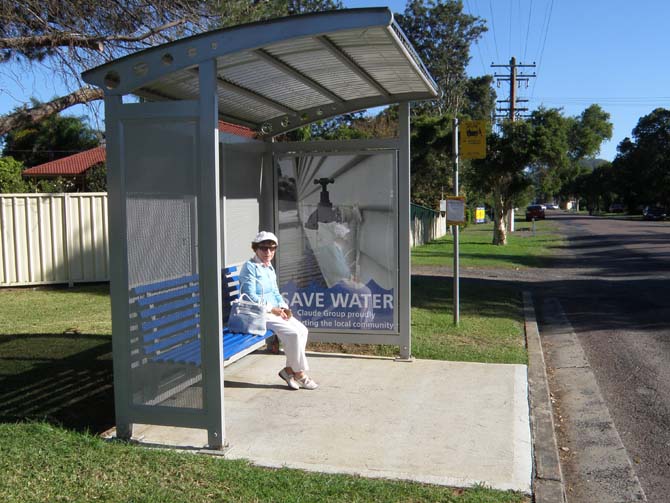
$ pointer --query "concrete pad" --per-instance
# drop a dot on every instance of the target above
(447, 423)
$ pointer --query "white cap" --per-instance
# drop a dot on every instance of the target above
(265, 236)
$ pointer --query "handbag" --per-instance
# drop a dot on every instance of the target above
(247, 317)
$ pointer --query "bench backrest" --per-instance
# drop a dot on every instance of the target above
(167, 313)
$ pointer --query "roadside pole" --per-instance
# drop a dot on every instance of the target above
(455, 229)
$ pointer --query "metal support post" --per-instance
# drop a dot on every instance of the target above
(209, 255)
(454, 228)
(404, 256)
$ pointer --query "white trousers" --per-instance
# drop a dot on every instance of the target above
(293, 336)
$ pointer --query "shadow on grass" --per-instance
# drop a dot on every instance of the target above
(487, 298)
(73, 389)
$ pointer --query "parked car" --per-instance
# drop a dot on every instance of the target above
(551, 206)
(534, 212)
(616, 208)
(653, 213)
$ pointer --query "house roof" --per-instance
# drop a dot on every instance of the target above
(277, 75)
(71, 165)
(78, 164)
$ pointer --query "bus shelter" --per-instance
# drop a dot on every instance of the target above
(185, 199)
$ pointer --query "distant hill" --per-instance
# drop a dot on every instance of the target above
(592, 163)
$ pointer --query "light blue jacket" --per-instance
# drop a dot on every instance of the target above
(260, 283)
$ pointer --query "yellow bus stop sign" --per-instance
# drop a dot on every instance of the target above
(472, 139)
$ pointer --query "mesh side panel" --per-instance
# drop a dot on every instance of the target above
(160, 246)
(164, 296)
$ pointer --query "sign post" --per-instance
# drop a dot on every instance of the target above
(469, 144)
(454, 228)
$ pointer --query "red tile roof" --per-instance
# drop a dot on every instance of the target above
(69, 166)
(77, 164)
(227, 127)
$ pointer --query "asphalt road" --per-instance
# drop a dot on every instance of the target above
(612, 282)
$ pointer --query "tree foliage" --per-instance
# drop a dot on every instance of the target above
(10, 176)
(503, 173)
(432, 164)
(562, 142)
(539, 155)
(442, 34)
(95, 179)
(642, 166)
(51, 139)
(67, 37)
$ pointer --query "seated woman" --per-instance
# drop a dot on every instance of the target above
(259, 281)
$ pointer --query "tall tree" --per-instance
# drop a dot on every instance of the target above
(51, 139)
(562, 143)
(442, 34)
(431, 158)
(642, 166)
(503, 173)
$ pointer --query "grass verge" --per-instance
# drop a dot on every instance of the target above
(525, 248)
(43, 463)
(56, 372)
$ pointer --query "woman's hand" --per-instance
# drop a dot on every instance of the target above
(278, 311)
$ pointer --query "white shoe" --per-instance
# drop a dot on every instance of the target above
(306, 382)
(290, 380)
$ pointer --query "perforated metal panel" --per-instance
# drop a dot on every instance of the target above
(163, 269)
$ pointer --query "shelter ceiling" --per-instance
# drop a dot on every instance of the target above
(281, 74)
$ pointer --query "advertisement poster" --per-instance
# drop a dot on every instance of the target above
(338, 224)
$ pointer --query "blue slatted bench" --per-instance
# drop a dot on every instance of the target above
(168, 315)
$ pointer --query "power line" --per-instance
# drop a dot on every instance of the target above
(544, 43)
(525, 47)
(511, 12)
(479, 50)
(493, 29)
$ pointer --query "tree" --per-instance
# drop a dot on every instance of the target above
(431, 153)
(442, 34)
(10, 176)
(642, 165)
(479, 99)
(595, 186)
(562, 143)
(503, 173)
(69, 36)
(51, 139)
(95, 179)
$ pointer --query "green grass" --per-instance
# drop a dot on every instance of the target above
(56, 393)
(40, 462)
(525, 248)
(491, 321)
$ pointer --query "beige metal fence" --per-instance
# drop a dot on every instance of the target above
(53, 238)
(62, 238)
(426, 225)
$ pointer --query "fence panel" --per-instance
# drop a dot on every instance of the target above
(53, 238)
(63, 238)
(426, 225)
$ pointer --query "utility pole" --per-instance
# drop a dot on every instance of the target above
(513, 110)
(515, 80)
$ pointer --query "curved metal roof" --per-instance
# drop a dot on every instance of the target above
(277, 75)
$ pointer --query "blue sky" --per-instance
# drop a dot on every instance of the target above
(609, 52)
